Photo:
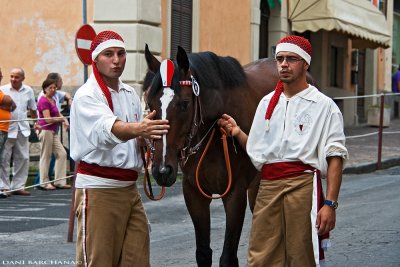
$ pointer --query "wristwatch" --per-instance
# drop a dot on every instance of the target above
(331, 203)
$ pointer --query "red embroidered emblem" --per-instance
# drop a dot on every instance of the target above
(301, 127)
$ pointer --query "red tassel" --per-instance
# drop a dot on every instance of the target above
(103, 87)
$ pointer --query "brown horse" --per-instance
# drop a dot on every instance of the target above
(204, 86)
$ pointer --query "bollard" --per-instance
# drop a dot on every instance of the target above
(382, 109)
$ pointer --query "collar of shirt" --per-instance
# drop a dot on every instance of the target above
(309, 94)
(120, 87)
(22, 88)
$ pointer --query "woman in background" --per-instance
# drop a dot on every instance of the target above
(49, 139)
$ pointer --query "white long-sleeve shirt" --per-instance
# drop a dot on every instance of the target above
(307, 127)
(91, 138)
(24, 99)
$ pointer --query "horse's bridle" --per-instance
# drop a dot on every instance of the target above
(189, 150)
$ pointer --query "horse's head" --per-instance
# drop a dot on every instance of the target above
(170, 94)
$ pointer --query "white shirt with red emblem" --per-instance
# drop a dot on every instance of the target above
(91, 138)
(307, 127)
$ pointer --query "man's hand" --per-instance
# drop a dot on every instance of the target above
(326, 220)
(229, 125)
(153, 129)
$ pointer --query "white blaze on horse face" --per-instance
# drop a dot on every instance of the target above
(165, 101)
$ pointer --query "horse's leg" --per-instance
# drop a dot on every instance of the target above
(253, 190)
(199, 210)
(235, 208)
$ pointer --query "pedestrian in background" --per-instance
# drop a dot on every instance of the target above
(59, 97)
(106, 120)
(7, 105)
(17, 143)
(49, 139)
(297, 133)
(396, 81)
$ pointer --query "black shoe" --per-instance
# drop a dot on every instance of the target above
(3, 194)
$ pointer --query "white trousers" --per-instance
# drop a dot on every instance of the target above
(19, 148)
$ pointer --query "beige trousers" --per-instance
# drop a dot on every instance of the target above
(50, 143)
(112, 228)
(281, 229)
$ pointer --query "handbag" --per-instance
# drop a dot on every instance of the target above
(33, 137)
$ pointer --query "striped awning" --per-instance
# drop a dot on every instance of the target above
(359, 19)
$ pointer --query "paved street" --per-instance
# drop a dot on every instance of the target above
(34, 229)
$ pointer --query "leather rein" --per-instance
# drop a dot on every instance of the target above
(189, 150)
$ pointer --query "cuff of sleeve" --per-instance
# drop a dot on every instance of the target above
(108, 127)
(338, 151)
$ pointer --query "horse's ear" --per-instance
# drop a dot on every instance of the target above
(182, 59)
(152, 62)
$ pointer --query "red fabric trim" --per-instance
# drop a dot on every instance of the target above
(274, 100)
(85, 229)
(283, 170)
(107, 172)
(103, 87)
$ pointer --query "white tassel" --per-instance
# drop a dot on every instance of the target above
(326, 243)
(267, 125)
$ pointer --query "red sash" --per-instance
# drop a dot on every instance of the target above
(284, 170)
(107, 172)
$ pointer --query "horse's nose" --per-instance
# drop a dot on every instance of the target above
(165, 170)
(164, 175)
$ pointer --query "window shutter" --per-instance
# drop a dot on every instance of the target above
(181, 26)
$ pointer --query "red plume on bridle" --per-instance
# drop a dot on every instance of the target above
(100, 38)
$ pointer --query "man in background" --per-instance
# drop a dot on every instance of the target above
(17, 144)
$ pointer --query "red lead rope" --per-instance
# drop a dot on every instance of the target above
(148, 190)
(227, 163)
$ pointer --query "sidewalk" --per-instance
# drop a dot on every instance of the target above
(363, 151)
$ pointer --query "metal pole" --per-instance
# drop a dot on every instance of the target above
(71, 222)
(379, 164)
(84, 10)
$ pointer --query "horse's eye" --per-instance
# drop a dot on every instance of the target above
(183, 105)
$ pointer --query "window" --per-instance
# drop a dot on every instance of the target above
(264, 8)
(181, 26)
(336, 67)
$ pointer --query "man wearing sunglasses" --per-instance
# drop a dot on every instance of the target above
(296, 136)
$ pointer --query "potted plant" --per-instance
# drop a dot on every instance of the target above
(373, 115)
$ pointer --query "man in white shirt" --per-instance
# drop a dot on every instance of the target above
(17, 143)
(297, 134)
(106, 120)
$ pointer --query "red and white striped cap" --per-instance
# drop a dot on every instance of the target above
(296, 44)
(104, 40)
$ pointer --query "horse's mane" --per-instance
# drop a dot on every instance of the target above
(216, 72)
(210, 71)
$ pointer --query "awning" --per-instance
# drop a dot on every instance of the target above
(362, 21)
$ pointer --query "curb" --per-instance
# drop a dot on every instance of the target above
(371, 167)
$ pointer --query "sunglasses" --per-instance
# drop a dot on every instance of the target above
(289, 59)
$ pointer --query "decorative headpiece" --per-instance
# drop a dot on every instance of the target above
(102, 41)
(295, 44)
